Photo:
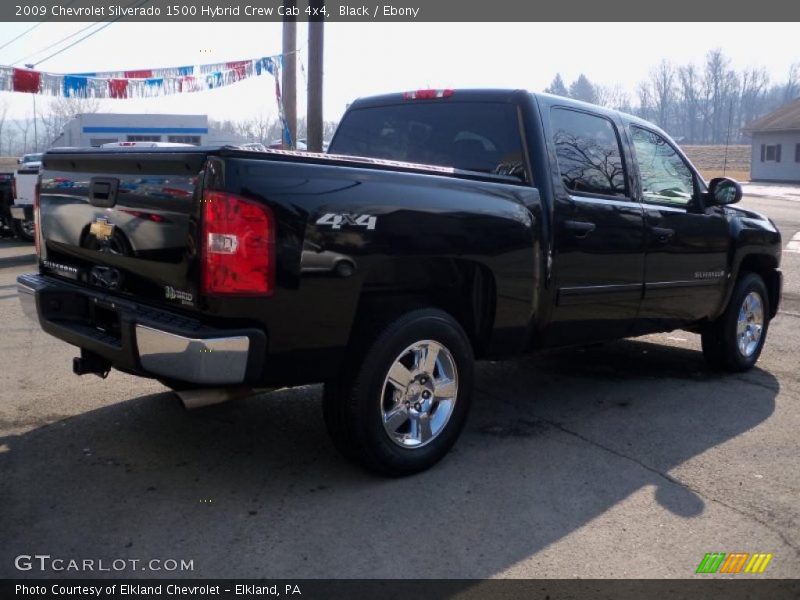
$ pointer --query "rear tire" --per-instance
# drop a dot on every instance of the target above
(24, 230)
(403, 398)
(734, 341)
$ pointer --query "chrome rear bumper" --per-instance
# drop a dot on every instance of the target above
(211, 360)
(149, 341)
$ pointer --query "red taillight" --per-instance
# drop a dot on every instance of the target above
(14, 188)
(427, 94)
(37, 218)
(238, 245)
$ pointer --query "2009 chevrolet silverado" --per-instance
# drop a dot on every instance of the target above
(445, 226)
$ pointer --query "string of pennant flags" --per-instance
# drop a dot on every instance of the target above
(140, 83)
(145, 83)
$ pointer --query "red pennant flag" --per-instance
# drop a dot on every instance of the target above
(27, 81)
(186, 84)
(141, 74)
(238, 67)
(118, 88)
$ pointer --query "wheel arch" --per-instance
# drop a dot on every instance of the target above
(766, 266)
(463, 288)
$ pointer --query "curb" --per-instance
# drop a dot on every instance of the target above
(15, 261)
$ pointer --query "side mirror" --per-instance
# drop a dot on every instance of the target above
(19, 161)
(723, 190)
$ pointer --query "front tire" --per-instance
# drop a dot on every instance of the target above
(404, 398)
(734, 341)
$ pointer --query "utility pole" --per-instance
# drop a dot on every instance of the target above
(315, 52)
(289, 74)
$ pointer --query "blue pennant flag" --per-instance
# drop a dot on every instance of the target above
(75, 85)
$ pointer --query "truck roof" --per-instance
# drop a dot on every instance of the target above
(493, 95)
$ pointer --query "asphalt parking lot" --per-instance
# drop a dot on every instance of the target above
(629, 459)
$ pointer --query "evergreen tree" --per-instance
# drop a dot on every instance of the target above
(557, 87)
(582, 89)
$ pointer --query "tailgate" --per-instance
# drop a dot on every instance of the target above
(123, 221)
(25, 181)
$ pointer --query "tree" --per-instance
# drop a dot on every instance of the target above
(613, 97)
(557, 87)
(792, 89)
(716, 83)
(689, 90)
(662, 80)
(582, 89)
(754, 84)
(645, 100)
(24, 128)
(59, 111)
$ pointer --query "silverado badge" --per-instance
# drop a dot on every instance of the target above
(102, 229)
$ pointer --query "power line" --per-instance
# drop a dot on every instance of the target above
(46, 48)
(87, 36)
(9, 42)
(72, 35)
(27, 31)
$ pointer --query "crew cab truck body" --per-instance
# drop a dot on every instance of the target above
(535, 222)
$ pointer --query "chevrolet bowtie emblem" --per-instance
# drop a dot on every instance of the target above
(102, 229)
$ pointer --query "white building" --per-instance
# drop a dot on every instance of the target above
(94, 129)
(776, 145)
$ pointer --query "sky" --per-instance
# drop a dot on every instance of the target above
(363, 59)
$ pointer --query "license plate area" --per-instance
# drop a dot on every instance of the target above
(87, 316)
(106, 320)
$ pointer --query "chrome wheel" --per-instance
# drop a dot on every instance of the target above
(419, 394)
(750, 324)
(29, 227)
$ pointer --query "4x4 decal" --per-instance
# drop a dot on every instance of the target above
(339, 220)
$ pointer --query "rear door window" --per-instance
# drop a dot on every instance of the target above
(474, 136)
(588, 153)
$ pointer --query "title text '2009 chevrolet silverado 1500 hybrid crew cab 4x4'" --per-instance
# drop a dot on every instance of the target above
(482, 224)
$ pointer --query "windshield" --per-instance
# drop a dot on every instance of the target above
(474, 136)
(31, 158)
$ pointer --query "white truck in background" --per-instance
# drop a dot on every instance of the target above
(25, 180)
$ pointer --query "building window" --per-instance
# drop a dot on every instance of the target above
(184, 139)
(144, 138)
(771, 152)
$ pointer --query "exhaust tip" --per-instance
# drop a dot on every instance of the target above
(202, 397)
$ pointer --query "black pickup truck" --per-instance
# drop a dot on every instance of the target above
(443, 227)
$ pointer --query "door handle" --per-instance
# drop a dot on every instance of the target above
(661, 234)
(580, 228)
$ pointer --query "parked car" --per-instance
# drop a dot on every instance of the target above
(30, 159)
(536, 222)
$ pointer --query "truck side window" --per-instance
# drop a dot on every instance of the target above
(665, 177)
(589, 153)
